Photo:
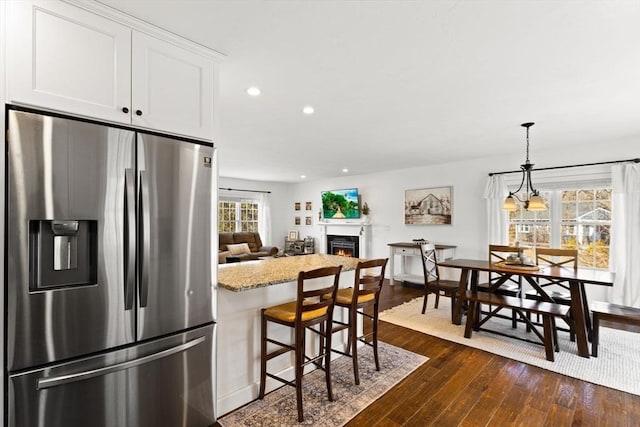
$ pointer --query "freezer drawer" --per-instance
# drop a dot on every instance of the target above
(167, 382)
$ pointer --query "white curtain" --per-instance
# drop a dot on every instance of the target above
(497, 221)
(625, 235)
(264, 222)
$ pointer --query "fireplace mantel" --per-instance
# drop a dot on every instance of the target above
(360, 229)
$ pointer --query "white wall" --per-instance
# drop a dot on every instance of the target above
(384, 193)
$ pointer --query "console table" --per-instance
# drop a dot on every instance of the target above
(405, 249)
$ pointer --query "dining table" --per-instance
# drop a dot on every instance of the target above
(576, 279)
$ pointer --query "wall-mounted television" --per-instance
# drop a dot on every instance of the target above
(340, 204)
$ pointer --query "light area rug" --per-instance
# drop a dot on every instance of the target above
(617, 365)
(278, 408)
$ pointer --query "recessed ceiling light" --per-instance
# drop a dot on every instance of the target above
(253, 91)
(345, 170)
(308, 109)
(303, 176)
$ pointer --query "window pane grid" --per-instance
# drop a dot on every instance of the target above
(530, 228)
(238, 216)
(584, 224)
(226, 216)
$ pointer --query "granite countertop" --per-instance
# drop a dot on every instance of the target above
(242, 276)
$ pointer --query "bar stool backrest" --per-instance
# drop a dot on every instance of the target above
(310, 301)
(369, 277)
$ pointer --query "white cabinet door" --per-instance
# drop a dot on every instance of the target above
(172, 88)
(65, 58)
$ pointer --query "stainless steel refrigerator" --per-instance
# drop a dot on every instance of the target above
(110, 304)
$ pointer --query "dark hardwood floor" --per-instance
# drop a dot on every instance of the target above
(463, 386)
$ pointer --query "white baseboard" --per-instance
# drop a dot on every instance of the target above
(247, 394)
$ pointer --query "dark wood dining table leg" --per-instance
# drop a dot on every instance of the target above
(579, 317)
(473, 285)
(470, 319)
(456, 317)
(587, 312)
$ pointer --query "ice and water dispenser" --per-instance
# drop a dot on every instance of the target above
(62, 253)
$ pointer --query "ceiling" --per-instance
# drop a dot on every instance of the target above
(399, 84)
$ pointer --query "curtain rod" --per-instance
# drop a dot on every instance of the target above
(249, 191)
(636, 160)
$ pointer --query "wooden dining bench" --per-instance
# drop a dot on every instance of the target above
(546, 310)
(612, 313)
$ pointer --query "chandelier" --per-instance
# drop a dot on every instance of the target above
(530, 196)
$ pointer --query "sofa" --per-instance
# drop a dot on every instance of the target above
(242, 246)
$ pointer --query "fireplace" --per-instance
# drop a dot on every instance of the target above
(343, 245)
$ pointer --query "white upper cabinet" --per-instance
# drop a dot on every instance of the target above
(172, 87)
(66, 58)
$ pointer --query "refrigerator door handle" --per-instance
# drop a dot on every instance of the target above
(145, 231)
(48, 382)
(129, 237)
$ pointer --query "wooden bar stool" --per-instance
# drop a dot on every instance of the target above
(364, 294)
(313, 306)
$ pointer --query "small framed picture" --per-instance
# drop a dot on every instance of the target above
(297, 205)
(308, 206)
(307, 220)
(297, 220)
(293, 235)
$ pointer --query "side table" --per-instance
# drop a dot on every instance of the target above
(412, 249)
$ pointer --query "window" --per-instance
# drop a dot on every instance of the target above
(238, 215)
(577, 218)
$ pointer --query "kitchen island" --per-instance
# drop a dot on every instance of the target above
(243, 290)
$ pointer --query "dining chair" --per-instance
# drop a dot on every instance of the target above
(313, 307)
(432, 282)
(362, 299)
(557, 289)
(511, 287)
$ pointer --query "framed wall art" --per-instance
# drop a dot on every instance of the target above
(428, 206)
(296, 205)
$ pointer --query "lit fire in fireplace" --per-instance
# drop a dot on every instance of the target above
(342, 252)
(346, 246)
